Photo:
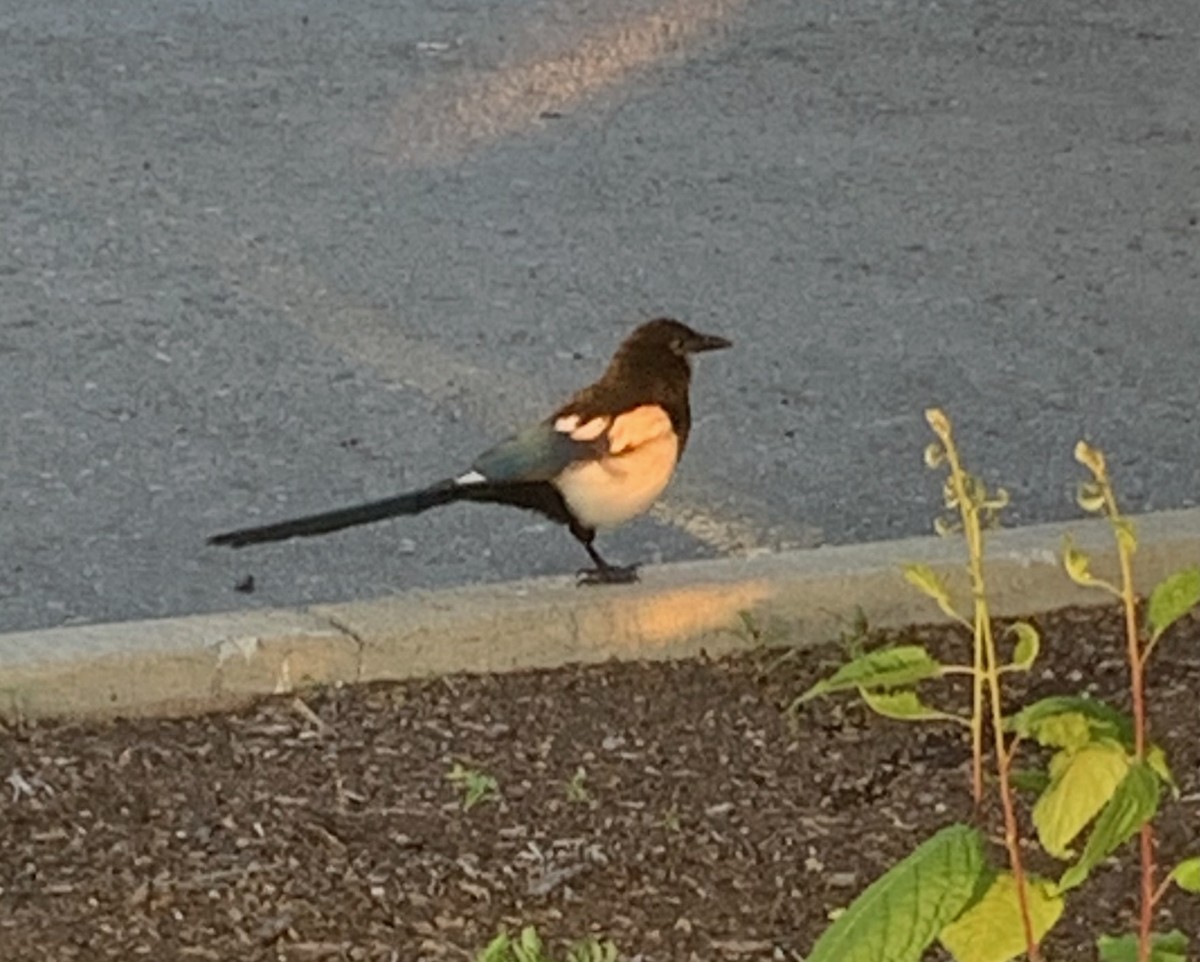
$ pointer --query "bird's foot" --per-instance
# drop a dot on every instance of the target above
(608, 575)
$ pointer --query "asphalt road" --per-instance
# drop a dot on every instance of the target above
(261, 259)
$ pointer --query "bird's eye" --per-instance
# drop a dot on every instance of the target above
(677, 345)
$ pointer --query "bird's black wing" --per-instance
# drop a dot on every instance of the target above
(539, 453)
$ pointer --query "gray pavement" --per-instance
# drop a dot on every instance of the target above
(268, 258)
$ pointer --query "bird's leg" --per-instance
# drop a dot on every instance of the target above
(603, 573)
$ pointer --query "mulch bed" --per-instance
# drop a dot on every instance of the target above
(707, 826)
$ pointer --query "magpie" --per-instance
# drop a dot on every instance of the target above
(599, 460)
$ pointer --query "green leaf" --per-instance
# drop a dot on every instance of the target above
(887, 668)
(905, 705)
(1078, 565)
(1156, 758)
(998, 501)
(1070, 731)
(477, 786)
(1049, 722)
(1132, 805)
(1079, 568)
(1090, 497)
(1170, 947)
(1029, 780)
(1126, 534)
(991, 930)
(1103, 721)
(901, 913)
(529, 949)
(929, 582)
(591, 950)
(945, 526)
(1029, 643)
(1187, 874)
(950, 493)
(1081, 783)
(1171, 599)
(496, 951)
(1091, 458)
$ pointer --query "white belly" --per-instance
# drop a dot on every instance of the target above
(613, 490)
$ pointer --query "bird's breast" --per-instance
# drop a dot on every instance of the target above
(617, 487)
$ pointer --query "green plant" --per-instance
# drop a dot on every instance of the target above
(477, 786)
(1103, 771)
(851, 640)
(528, 947)
(577, 788)
(1133, 802)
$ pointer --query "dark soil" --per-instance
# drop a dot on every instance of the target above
(707, 826)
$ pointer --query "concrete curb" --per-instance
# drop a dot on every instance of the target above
(207, 662)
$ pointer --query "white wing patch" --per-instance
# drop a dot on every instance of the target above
(585, 431)
(626, 431)
(471, 477)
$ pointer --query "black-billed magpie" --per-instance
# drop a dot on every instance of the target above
(599, 460)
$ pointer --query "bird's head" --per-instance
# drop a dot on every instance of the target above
(656, 358)
(666, 335)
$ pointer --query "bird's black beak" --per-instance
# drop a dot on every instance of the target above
(707, 342)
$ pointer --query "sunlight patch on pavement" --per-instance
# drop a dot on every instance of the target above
(443, 122)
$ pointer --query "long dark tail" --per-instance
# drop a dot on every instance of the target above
(531, 495)
(412, 502)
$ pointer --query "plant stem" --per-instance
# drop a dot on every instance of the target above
(1163, 887)
(974, 537)
(1012, 839)
(1137, 675)
(1137, 685)
(977, 717)
(987, 672)
(991, 674)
